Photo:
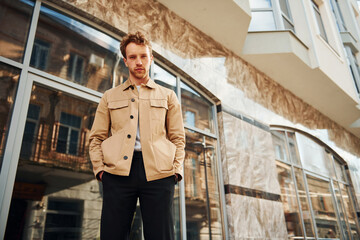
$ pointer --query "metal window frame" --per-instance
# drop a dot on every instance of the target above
(16, 129)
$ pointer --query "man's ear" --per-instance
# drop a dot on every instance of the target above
(125, 62)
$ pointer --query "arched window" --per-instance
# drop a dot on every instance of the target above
(315, 190)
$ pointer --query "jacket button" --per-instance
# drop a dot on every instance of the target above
(125, 157)
(133, 99)
(129, 136)
(131, 117)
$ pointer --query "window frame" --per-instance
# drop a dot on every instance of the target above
(278, 15)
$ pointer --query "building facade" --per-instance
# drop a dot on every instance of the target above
(270, 95)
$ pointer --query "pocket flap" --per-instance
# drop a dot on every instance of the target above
(160, 103)
(118, 104)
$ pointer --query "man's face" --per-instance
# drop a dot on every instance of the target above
(138, 60)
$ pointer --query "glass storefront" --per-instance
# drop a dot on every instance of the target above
(315, 191)
(55, 195)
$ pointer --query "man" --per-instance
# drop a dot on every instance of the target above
(142, 158)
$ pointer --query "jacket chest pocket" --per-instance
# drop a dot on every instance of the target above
(119, 111)
(158, 109)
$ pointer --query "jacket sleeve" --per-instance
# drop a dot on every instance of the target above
(176, 132)
(99, 132)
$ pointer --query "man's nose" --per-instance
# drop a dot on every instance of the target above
(138, 61)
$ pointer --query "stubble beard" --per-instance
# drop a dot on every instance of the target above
(140, 75)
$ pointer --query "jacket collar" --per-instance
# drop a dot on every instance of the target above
(127, 84)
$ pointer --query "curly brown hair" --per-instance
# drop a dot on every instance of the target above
(138, 38)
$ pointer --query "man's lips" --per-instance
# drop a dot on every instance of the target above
(139, 69)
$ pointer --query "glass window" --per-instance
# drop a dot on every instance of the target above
(9, 78)
(304, 203)
(293, 148)
(55, 191)
(63, 219)
(68, 135)
(268, 17)
(279, 142)
(31, 126)
(319, 21)
(260, 3)
(262, 21)
(202, 197)
(15, 21)
(289, 201)
(313, 156)
(77, 52)
(164, 77)
(340, 206)
(340, 23)
(349, 210)
(40, 54)
(286, 15)
(201, 108)
(323, 208)
(76, 67)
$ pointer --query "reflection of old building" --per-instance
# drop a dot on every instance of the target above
(272, 132)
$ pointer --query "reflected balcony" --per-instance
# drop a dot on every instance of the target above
(45, 149)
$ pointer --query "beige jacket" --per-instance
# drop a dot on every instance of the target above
(162, 134)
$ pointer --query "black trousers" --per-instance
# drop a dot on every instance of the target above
(120, 194)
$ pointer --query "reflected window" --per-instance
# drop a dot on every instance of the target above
(9, 77)
(55, 185)
(193, 102)
(79, 52)
(15, 21)
(323, 208)
(75, 67)
(31, 126)
(39, 56)
(63, 219)
(290, 204)
(68, 135)
(164, 77)
(202, 198)
(190, 118)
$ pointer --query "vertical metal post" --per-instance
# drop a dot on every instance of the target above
(181, 183)
(207, 188)
(18, 118)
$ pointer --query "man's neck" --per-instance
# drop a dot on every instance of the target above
(138, 82)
